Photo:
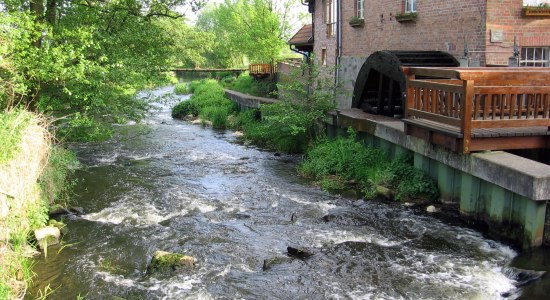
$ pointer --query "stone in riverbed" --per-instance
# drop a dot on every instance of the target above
(431, 209)
(60, 225)
(47, 236)
(299, 252)
(163, 261)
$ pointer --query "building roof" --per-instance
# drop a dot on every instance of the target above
(303, 37)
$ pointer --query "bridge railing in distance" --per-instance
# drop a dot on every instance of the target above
(479, 98)
(261, 69)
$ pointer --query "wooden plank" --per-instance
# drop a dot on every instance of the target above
(434, 85)
(545, 106)
(509, 143)
(510, 123)
(435, 72)
(449, 131)
(434, 101)
(435, 117)
(477, 99)
(512, 89)
(512, 106)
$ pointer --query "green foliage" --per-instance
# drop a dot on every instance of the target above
(12, 125)
(181, 89)
(55, 179)
(83, 62)
(208, 102)
(293, 123)
(255, 87)
(335, 162)
(255, 29)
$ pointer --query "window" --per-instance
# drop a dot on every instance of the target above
(324, 57)
(535, 57)
(410, 6)
(329, 14)
(360, 11)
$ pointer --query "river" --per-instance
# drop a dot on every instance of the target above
(169, 185)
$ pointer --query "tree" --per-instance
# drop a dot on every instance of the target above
(84, 60)
(257, 29)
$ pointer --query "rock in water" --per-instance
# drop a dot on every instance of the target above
(431, 209)
(60, 225)
(163, 261)
(299, 252)
(47, 236)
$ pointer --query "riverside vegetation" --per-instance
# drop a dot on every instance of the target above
(295, 127)
(34, 174)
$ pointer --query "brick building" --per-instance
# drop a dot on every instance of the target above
(476, 32)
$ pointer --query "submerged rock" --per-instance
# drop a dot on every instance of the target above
(299, 252)
(163, 261)
(270, 262)
(47, 236)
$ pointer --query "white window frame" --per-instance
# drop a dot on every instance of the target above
(543, 61)
(360, 12)
(330, 15)
(410, 6)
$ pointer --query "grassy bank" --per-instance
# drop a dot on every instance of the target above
(208, 102)
(343, 162)
(33, 175)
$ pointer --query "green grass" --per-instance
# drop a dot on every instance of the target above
(248, 85)
(207, 102)
(344, 160)
(181, 89)
(12, 125)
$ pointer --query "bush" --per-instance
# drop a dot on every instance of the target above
(208, 102)
(248, 85)
(181, 89)
(334, 162)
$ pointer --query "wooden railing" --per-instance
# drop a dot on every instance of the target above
(261, 69)
(479, 98)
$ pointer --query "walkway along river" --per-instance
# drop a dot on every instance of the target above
(169, 185)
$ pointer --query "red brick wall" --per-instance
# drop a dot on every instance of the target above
(441, 25)
(320, 35)
(505, 15)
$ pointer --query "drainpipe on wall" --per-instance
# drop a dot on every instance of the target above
(338, 42)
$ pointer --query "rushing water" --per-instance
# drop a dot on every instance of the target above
(169, 185)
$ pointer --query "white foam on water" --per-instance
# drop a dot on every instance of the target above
(224, 272)
(334, 236)
(140, 213)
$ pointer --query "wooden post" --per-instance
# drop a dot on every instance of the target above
(466, 114)
(409, 102)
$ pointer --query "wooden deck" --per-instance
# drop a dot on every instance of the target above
(478, 109)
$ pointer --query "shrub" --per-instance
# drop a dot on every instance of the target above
(334, 162)
(256, 87)
(208, 102)
(181, 89)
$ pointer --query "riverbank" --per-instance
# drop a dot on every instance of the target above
(33, 173)
(169, 185)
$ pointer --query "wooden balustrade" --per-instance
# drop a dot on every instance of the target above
(261, 69)
(473, 99)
